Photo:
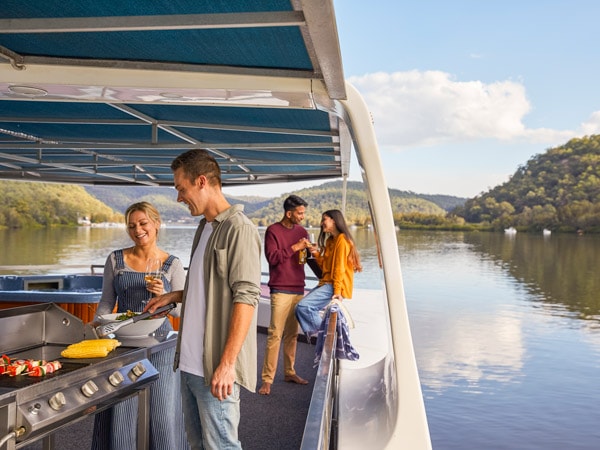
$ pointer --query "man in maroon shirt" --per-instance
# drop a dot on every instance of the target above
(285, 249)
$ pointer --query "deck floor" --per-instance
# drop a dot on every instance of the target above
(268, 422)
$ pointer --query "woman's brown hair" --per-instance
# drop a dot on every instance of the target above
(340, 223)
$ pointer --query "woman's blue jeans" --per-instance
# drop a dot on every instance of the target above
(307, 309)
(209, 423)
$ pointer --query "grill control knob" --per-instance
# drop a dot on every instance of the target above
(116, 378)
(57, 401)
(137, 371)
(89, 388)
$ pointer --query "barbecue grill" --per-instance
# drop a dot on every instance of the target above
(32, 408)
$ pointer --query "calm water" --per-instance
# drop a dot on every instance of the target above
(506, 329)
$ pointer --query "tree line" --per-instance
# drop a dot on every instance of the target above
(557, 190)
(29, 204)
(329, 196)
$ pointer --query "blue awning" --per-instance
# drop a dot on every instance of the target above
(110, 92)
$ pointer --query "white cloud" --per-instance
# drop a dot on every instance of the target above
(427, 108)
(592, 126)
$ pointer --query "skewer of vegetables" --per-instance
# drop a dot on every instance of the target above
(31, 367)
(41, 370)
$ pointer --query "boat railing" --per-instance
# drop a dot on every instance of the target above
(321, 421)
(99, 268)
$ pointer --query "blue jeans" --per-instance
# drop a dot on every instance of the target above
(209, 423)
(307, 310)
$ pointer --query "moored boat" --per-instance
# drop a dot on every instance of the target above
(110, 100)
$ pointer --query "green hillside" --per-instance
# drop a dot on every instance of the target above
(559, 189)
(120, 197)
(264, 211)
(329, 196)
(26, 204)
(41, 204)
(164, 198)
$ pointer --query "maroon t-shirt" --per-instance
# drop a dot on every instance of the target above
(285, 273)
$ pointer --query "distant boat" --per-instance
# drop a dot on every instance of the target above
(511, 230)
(546, 232)
(84, 222)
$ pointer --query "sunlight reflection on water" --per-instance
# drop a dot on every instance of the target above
(506, 331)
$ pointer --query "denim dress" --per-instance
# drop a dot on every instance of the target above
(116, 428)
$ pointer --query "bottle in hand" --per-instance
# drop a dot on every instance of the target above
(302, 256)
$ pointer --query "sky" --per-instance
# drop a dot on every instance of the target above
(462, 93)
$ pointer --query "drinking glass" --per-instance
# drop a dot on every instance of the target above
(313, 245)
(153, 272)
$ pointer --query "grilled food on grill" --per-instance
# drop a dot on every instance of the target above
(31, 367)
(90, 348)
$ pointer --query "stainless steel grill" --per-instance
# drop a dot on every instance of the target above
(33, 408)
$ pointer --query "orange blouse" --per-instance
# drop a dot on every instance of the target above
(337, 270)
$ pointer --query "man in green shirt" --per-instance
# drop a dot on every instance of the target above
(216, 348)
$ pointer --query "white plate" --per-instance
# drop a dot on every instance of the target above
(139, 329)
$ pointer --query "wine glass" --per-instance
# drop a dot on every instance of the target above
(313, 244)
(153, 272)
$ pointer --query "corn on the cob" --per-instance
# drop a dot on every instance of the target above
(90, 348)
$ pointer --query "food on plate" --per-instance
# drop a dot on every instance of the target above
(126, 315)
(90, 348)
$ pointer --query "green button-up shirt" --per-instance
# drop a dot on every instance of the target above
(232, 273)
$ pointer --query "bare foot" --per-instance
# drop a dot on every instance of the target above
(265, 389)
(295, 379)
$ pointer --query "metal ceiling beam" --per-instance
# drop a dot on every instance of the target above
(262, 163)
(152, 23)
(179, 134)
(127, 77)
(248, 129)
(322, 42)
(278, 178)
(106, 179)
(289, 147)
(70, 121)
(66, 167)
(168, 123)
(165, 66)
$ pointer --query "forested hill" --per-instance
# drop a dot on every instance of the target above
(329, 196)
(26, 204)
(559, 189)
(264, 211)
(42, 204)
(164, 198)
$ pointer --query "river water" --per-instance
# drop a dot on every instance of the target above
(506, 328)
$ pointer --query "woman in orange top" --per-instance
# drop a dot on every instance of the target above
(338, 261)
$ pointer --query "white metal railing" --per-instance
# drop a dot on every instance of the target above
(321, 421)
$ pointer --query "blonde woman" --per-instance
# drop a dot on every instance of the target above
(124, 285)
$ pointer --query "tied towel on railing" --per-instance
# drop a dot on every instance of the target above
(343, 347)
